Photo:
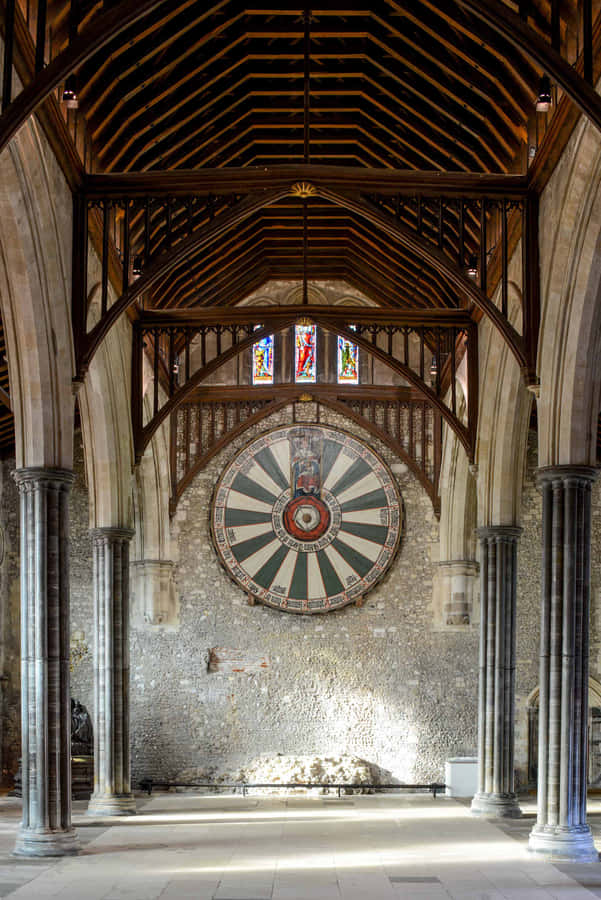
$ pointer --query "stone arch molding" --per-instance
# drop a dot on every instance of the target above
(569, 358)
(35, 273)
(594, 690)
(503, 415)
(456, 580)
(154, 598)
(104, 403)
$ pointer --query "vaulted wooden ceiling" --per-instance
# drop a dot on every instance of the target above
(269, 245)
(412, 85)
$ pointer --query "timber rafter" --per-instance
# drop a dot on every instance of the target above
(212, 418)
(423, 248)
(413, 133)
(178, 47)
(185, 352)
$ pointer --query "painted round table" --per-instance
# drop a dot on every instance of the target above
(306, 518)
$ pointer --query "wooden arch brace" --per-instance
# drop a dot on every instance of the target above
(107, 25)
(87, 344)
(143, 434)
(291, 397)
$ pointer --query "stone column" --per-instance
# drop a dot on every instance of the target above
(496, 795)
(561, 831)
(46, 828)
(112, 780)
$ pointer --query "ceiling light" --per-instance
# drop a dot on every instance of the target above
(70, 93)
(543, 101)
(472, 267)
(136, 269)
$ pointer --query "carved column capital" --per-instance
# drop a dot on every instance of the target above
(563, 474)
(510, 533)
(111, 535)
(31, 477)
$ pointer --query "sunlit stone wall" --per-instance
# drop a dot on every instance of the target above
(382, 682)
(379, 681)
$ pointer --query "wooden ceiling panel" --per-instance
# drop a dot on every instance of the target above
(275, 238)
(393, 85)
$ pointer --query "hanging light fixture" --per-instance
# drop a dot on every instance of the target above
(544, 99)
(69, 97)
(472, 267)
(433, 368)
(136, 269)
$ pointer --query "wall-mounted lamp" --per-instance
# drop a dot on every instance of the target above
(69, 97)
(544, 99)
(472, 267)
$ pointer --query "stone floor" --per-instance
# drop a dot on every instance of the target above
(190, 847)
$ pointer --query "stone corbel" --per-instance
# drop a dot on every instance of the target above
(455, 587)
(154, 598)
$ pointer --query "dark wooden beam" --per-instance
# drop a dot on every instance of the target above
(167, 261)
(267, 315)
(514, 29)
(332, 398)
(562, 125)
(5, 400)
(439, 262)
(48, 113)
(356, 179)
(223, 393)
(102, 28)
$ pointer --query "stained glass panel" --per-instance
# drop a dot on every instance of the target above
(348, 361)
(263, 361)
(305, 354)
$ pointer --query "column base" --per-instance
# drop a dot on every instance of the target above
(563, 843)
(497, 806)
(111, 805)
(31, 842)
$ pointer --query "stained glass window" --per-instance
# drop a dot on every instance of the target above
(263, 360)
(348, 361)
(305, 354)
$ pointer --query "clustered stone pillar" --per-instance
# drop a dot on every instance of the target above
(496, 795)
(46, 828)
(112, 779)
(561, 831)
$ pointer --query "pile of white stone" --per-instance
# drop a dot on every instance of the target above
(281, 770)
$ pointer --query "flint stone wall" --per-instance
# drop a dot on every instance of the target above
(376, 682)
(379, 682)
